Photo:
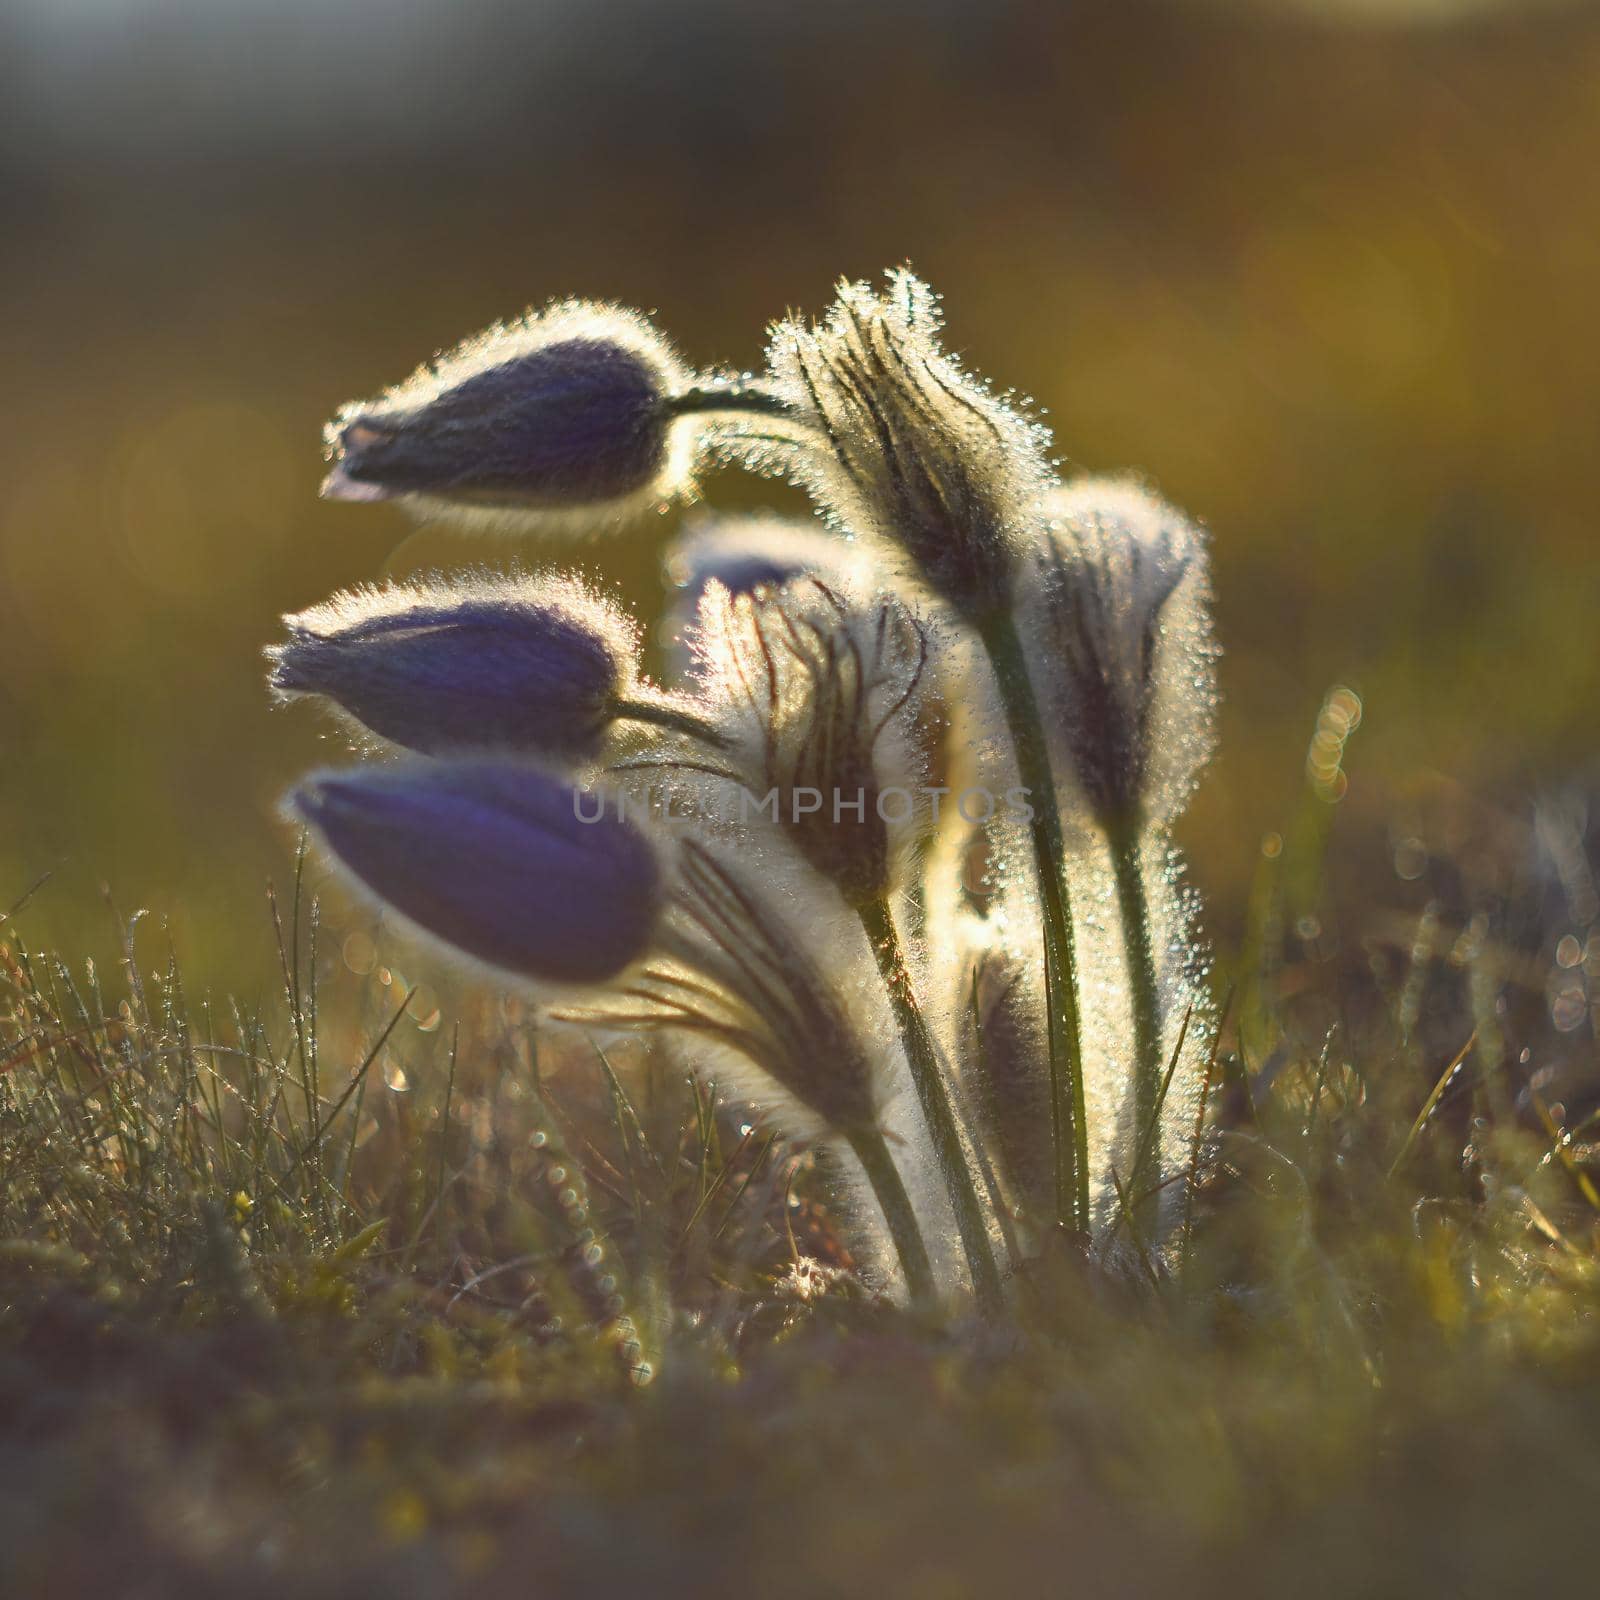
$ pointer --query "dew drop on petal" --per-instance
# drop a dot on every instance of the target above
(360, 953)
(424, 1009)
(1568, 1008)
(1410, 859)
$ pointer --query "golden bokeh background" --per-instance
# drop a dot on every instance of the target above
(1326, 273)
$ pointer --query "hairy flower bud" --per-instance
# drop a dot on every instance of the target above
(747, 553)
(1119, 619)
(534, 664)
(496, 859)
(567, 410)
(763, 987)
(908, 446)
(755, 979)
(819, 689)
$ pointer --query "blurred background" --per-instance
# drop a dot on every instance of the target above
(1325, 272)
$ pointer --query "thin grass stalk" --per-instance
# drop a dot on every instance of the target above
(928, 1075)
(1063, 998)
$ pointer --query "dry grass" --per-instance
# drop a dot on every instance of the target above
(556, 1322)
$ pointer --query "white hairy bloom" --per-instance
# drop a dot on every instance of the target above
(1117, 615)
(816, 691)
(906, 446)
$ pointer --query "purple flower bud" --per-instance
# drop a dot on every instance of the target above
(494, 858)
(746, 553)
(529, 664)
(568, 409)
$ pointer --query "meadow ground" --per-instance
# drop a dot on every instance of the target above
(341, 1296)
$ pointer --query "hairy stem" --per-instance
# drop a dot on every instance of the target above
(927, 1074)
(668, 714)
(884, 1176)
(1063, 1002)
(1133, 905)
(737, 398)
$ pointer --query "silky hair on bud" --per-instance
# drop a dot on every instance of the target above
(760, 550)
(817, 689)
(562, 419)
(746, 554)
(1119, 616)
(537, 663)
(497, 860)
(907, 446)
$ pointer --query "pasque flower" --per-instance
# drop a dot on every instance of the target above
(817, 693)
(906, 446)
(837, 659)
(747, 553)
(733, 972)
(822, 685)
(536, 664)
(567, 408)
(493, 858)
(1118, 613)
(1118, 616)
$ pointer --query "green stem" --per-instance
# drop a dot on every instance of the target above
(1068, 1121)
(884, 1176)
(747, 399)
(922, 1056)
(1133, 904)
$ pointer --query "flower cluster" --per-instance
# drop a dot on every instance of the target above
(993, 1022)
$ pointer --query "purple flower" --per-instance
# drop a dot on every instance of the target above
(494, 858)
(567, 409)
(516, 664)
(746, 554)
